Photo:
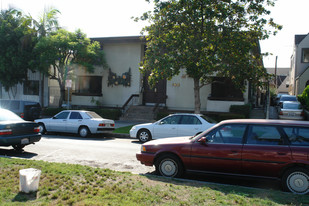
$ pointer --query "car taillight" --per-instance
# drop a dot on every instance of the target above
(36, 129)
(6, 132)
(22, 115)
(302, 113)
(102, 125)
(113, 125)
(281, 113)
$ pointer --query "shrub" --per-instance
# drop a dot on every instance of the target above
(224, 116)
(241, 109)
(304, 98)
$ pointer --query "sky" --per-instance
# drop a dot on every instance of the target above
(110, 18)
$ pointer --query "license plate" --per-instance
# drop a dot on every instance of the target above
(291, 114)
(25, 141)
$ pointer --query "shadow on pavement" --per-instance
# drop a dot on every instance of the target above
(13, 153)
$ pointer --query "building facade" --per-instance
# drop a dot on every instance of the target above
(299, 73)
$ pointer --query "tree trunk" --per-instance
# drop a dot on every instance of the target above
(197, 99)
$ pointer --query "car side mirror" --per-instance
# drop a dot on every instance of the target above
(203, 140)
(54, 117)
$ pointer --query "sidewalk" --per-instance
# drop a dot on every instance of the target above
(260, 113)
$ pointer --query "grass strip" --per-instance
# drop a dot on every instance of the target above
(70, 184)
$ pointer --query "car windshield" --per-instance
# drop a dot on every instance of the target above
(208, 119)
(6, 115)
(93, 115)
(292, 106)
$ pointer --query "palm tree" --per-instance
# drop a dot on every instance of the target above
(47, 23)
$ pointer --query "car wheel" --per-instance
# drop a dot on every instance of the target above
(18, 147)
(83, 131)
(296, 180)
(169, 166)
(144, 135)
(42, 128)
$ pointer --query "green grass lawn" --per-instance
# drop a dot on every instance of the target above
(123, 130)
(68, 184)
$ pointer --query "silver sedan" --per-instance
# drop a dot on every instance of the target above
(291, 110)
(80, 122)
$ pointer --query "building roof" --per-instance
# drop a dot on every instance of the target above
(299, 38)
(122, 39)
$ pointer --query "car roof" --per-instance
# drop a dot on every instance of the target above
(266, 122)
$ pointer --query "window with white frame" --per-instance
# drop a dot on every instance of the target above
(305, 55)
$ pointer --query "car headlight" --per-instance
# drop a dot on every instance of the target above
(143, 148)
(133, 128)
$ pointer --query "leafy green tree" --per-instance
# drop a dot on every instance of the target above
(64, 51)
(17, 43)
(207, 38)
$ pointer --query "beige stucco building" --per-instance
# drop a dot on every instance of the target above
(122, 82)
(299, 73)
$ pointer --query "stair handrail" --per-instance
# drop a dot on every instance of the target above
(124, 108)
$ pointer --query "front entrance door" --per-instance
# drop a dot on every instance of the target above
(154, 95)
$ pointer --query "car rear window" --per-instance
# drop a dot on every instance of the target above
(93, 115)
(208, 119)
(285, 98)
(291, 106)
(297, 135)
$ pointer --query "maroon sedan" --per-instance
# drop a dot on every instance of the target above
(258, 148)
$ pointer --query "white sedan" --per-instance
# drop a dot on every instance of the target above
(76, 121)
(174, 125)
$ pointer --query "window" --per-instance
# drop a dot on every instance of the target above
(228, 134)
(171, 120)
(31, 87)
(88, 86)
(264, 135)
(186, 119)
(75, 115)
(224, 89)
(62, 115)
(305, 55)
(297, 136)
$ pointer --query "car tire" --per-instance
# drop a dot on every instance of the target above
(296, 180)
(18, 147)
(42, 128)
(83, 131)
(169, 166)
(144, 135)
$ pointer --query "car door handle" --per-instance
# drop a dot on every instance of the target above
(234, 151)
(281, 153)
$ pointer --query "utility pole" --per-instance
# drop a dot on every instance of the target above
(276, 84)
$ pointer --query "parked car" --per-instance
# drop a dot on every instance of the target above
(80, 122)
(286, 97)
(256, 148)
(291, 110)
(28, 110)
(172, 126)
(16, 132)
